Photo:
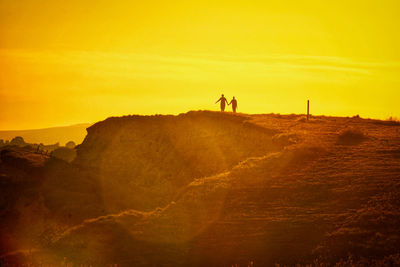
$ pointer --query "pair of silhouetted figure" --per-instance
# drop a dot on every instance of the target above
(223, 100)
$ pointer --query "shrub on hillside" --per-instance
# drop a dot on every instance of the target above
(351, 137)
(301, 119)
(284, 139)
(64, 153)
(17, 141)
(70, 145)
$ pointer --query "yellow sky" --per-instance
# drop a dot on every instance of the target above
(65, 62)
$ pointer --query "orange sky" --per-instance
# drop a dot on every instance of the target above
(65, 62)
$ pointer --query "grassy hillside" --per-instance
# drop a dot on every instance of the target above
(212, 189)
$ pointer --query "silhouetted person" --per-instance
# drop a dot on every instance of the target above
(234, 104)
(223, 101)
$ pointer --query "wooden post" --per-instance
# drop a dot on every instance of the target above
(308, 109)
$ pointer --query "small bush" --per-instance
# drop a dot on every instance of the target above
(17, 141)
(64, 153)
(351, 137)
(394, 119)
(284, 139)
(302, 119)
(70, 145)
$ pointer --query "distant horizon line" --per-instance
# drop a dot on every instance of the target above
(48, 127)
(176, 114)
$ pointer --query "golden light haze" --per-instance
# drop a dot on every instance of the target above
(65, 62)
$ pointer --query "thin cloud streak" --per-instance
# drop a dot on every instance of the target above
(118, 64)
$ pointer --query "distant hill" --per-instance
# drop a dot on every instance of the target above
(51, 135)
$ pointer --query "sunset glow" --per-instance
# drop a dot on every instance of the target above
(66, 62)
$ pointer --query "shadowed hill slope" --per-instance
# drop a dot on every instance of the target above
(154, 156)
(40, 196)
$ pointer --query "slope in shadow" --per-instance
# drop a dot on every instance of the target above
(143, 161)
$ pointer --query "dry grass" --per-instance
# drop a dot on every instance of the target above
(312, 198)
(351, 137)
